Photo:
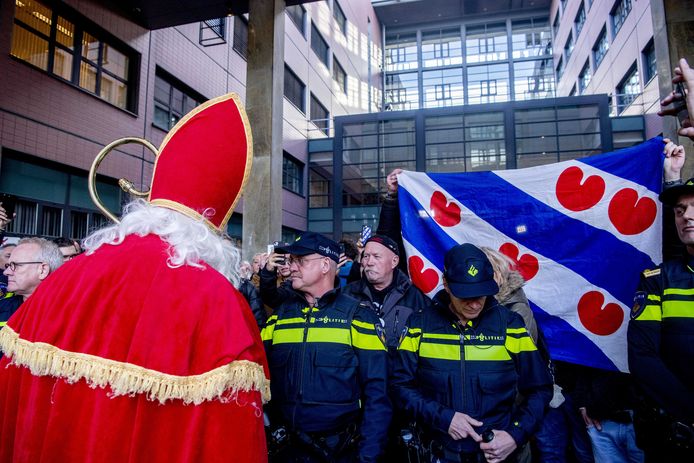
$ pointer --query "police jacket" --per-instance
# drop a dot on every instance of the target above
(661, 337)
(476, 369)
(329, 369)
(403, 300)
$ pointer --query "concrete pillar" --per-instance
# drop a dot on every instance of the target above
(262, 205)
(673, 31)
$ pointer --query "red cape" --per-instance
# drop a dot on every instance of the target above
(118, 357)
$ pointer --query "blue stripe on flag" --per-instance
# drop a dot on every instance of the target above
(567, 344)
(431, 241)
(648, 155)
(549, 232)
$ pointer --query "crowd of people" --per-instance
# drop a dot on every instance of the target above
(363, 365)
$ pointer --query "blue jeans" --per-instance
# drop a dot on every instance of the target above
(561, 429)
(615, 443)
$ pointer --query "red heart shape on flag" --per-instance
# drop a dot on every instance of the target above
(527, 265)
(425, 280)
(597, 319)
(576, 196)
(629, 214)
(445, 214)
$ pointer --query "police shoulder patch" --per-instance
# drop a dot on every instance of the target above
(639, 303)
(651, 273)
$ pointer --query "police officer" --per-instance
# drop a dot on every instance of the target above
(327, 363)
(460, 365)
(661, 334)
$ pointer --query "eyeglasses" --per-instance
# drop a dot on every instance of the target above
(13, 265)
(301, 260)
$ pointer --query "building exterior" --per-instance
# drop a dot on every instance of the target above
(607, 47)
(483, 86)
(76, 76)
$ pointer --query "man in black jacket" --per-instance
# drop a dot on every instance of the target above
(385, 289)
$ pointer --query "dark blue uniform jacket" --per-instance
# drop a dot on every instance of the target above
(476, 369)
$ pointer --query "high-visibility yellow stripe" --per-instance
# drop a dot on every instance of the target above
(439, 351)
(679, 309)
(269, 328)
(650, 313)
(473, 353)
(518, 345)
(288, 321)
(516, 330)
(360, 324)
(2, 324)
(410, 343)
(452, 337)
(366, 341)
(486, 353)
(654, 297)
(288, 335)
(334, 335)
(679, 291)
(415, 330)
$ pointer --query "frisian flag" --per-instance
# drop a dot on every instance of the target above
(580, 231)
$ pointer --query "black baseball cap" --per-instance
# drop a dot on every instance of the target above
(385, 241)
(312, 243)
(468, 272)
(671, 195)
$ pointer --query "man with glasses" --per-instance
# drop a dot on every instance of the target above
(328, 364)
(68, 248)
(30, 263)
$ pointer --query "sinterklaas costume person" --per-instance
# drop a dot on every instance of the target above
(119, 357)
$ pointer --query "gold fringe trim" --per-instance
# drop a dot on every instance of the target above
(222, 383)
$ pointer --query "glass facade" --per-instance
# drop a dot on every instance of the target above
(469, 64)
(346, 186)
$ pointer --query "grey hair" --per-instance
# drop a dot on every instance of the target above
(191, 241)
(48, 252)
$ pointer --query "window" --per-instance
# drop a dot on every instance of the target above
(319, 46)
(584, 77)
(560, 68)
(62, 43)
(402, 91)
(600, 48)
(628, 89)
(488, 87)
(486, 43)
(555, 24)
(580, 19)
(533, 79)
(649, 64)
(241, 36)
(442, 87)
(569, 47)
(172, 100)
(442, 48)
(292, 174)
(573, 91)
(294, 89)
(319, 115)
(340, 17)
(213, 32)
(531, 37)
(619, 14)
(339, 75)
(401, 52)
(297, 14)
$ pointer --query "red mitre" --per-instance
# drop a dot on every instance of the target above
(204, 162)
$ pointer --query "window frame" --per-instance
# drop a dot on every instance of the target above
(174, 84)
(340, 17)
(242, 51)
(301, 167)
(302, 27)
(338, 70)
(619, 14)
(598, 58)
(324, 124)
(316, 40)
(292, 74)
(82, 25)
